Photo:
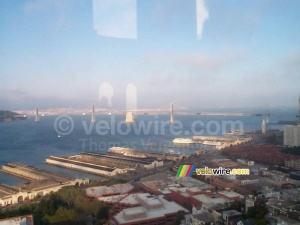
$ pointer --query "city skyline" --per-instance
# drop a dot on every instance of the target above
(234, 55)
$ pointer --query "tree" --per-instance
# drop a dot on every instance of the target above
(69, 194)
(63, 216)
(180, 216)
(261, 222)
(251, 212)
(103, 212)
(87, 206)
(236, 206)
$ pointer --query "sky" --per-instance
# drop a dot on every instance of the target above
(196, 53)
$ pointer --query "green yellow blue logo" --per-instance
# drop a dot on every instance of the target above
(185, 170)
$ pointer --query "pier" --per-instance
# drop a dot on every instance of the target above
(104, 164)
(157, 155)
(39, 183)
(225, 141)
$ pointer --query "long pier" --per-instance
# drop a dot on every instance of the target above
(39, 183)
(151, 154)
(103, 164)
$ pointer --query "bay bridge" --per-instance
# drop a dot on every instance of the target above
(168, 109)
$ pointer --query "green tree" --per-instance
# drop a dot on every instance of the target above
(69, 194)
(103, 212)
(101, 222)
(179, 216)
(63, 216)
(236, 206)
(261, 222)
(251, 212)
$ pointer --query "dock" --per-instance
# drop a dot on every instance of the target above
(39, 183)
(150, 154)
(103, 164)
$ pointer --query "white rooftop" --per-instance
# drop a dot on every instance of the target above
(22, 220)
(177, 183)
(161, 207)
(209, 199)
(131, 199)
(231, 213)
(231, 194)
(113, 198)
(112, 190)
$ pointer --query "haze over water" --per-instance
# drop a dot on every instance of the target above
(31, 143)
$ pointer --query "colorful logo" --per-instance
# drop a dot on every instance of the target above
(185, 171)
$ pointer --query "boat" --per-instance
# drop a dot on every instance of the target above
(135, 155)
(183, 141)
(215, 143)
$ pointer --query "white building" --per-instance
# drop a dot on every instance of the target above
(21, 220)
(15, 194)
(152, 210)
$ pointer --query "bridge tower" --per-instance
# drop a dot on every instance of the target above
(171, 113)
(129, 117)
(263, 126)
(93, 115)
(37, 118)
(267, 114)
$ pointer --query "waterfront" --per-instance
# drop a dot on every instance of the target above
(31, 143)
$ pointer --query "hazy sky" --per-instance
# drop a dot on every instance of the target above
(199, 54)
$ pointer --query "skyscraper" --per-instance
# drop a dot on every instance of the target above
(291, 135)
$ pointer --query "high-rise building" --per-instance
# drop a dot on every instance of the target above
(291, 135)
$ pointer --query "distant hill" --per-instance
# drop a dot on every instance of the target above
(8, 116)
